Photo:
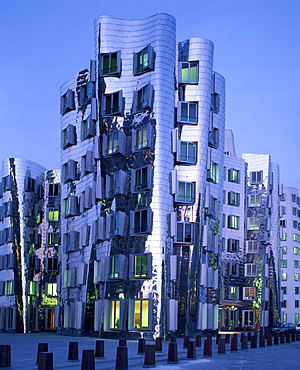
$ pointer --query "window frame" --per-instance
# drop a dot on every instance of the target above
(141, 66)
(233, 222)
(189, 80)
(256, 177)
(185, 239)
(137, 221)
(251, 269)
(112, 71)
(136, 263)
(189, 118)
(110, 100)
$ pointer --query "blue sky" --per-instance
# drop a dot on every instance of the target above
(257, 50)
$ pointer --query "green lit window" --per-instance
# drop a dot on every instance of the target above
(142, 265)
(141, 314)
(233, 175)
(115, 315)
(111, 64)
(296, 263)
(283, 238)
(254, 200)
(33, 288)
(284, 276)
(284, 318)
(296, 250)
(53, 239)
(283, 263)
(213, 173)
(234, 292)
(189, 72)
(51, 289)
(295, 237)
(233, 222)
(284, 250)
(296, 318)
(9, 288)
(143, 61)
(253, 223)
(53, 214)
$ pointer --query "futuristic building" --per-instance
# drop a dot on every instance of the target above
(27, 295)
(289, 256)
(142, 167)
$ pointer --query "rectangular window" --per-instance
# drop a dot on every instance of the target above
(284, 289)
(213, 138)
(53, 239)
(86, 93)
(116, 184)
(250, 269)
(256, 177)
(249, 293)
(215, 103)
(113, 104)
(184, 232)
(294, 197)
(141, 221)
(9, 288)
(294, 210)
(88, 128)
(69, 171)
(296, 304)
(283, 263)
(254, 200)
(52, 264)
(116, 267)
(51, 289)
(248, 318)
(297, 316)
(141, 179)
(142, 137)
(68, 137)
(140, 266)
(252, 246)
(283, 238)
(284, 250)
(282, 223)
(187, 112)
(284, 276)
(143, 61)
(33, 288)
(53, 190)
(295, 224)
(213, 173)
(117, 224)
(233, 175)
(233, 198)
(296, 250)
(71, 206)
(296, 290)
(141, 314)
(253, 223)
(296, 263)
(186, 192)
(283, 304)
(187, 152)
(110, 64)
(188, 72)
(233, 245)
(67, 102)
(53, 214)
(233, 222)
(296, 277)
(143, 98)
(115, 315)
(295, 237)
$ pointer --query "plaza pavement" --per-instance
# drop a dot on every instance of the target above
(24, 353)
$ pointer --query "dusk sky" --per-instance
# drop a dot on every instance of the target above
(257, 50)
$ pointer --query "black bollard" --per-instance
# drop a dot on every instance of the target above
(150, 356)
(207, 352)
(73, 351)
(276, 339)
(293, 337)
(242, 336)
(42, 347)
(45, 361)
(233, 345)
(158, 344)
(5, 356)
(191, 350)
(262, 341)
(122, 358)
(221, 346)
(122, 342)
(249, 337)
(172, 353)
(253, 343)
(218, 336)
(88, 360)
(173, 339)
(141, 345)
(244, 343)
(227, 338)
(287, 338)
(99, 351)
(282, 338)
(269, 340)
(186, 340)
(198, 340)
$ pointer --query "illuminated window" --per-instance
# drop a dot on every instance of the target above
(283, 263)
(253, 223)
(233, 222)
(296, 250)
(234, 292)
(188, 72)
(115, 315)
(142, 138)
(213, 173)
(297, 318)
(284, 318)
(9, 287)
(296, 277)
(51, 289)
(140, 266)
(252, 246)
(53, 214)
(187, 112)
(295, 237)
(53, 239)
(254, 200)
(143, 61)
(110, 64)
(114, 143)
(256, 177)
(284, 250)
(233, 175)
(283, 238)
(70, 206)
(284, 276)
(250, 269)
(185, 192)
(33, 288)
(141, 314)
(249, 293)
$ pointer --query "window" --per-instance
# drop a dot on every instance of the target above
(113, 104)
(110, 64)
(143, 98)
(117, 224)
(52, 264)
(295, 237)
(213, 173)
(248, 318)
(233, 175)
(249, 293)
(141, 179)
(252, 246)
(141, 221)
(68, 137)
(141, 138)
(296, 263)
(284, 276)
(53, 190)
(233, 269)
(254, 200)
(115, 315)
(297, 318)
(284, 318)
(294, 197)
(116, 184)
(284, 289)
(296, 277)
(296, 250)
(283, 238)
(253, 223)
(51, 289)
(141, 314)
(250, 269)
(256, 177)
(295, 224)
(187, 112)
(116, 267)
(88, 128)
(296, 290)
(187, 152)
(71, 206)
(53, 239)
(283, 263)
(233, 222)
(114, 143)
(33, 288)
(233, 245)
(283, 223)
(296, 304)
(140, 266)
(213, 138)
(69, 171)
(87, 163)
(283, 304)
(294, 210)
(188, 72)
(67, 102)
(233, 198)
(86, 93)
(143, 61)
(9, 288)
(184, 232)
(186, 192)
(53, 214)
(215, 103)
(71, 241)
(282, 197)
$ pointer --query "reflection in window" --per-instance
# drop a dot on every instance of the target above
(189, 72)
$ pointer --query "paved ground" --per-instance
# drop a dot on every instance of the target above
(24, 353)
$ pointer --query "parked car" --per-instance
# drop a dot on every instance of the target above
(285, 328)
(298, 327)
